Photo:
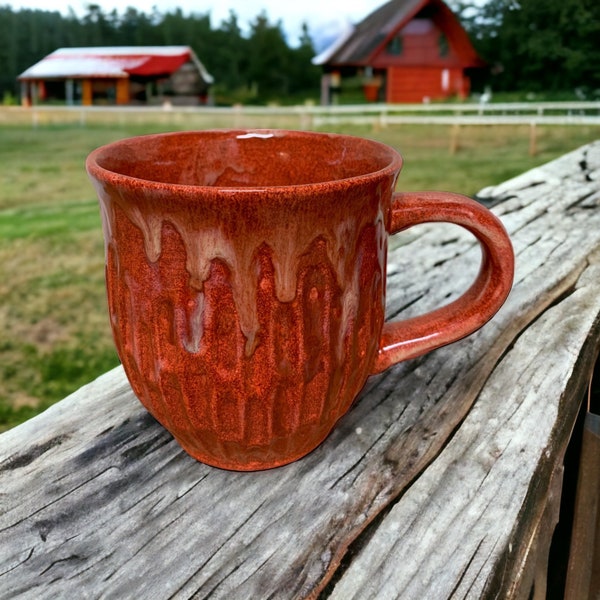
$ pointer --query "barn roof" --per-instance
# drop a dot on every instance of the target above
(357, 46)
(116, 61)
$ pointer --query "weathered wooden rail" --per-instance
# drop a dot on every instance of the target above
(444, 480)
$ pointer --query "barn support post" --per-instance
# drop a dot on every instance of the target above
(25, 96)
(86, 93)
(69, 92)
(123, 91)
(325, 89)
(33, 92)
(335, 87)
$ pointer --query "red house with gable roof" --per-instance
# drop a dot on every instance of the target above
(407, 51)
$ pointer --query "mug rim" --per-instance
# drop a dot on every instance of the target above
(104, 174)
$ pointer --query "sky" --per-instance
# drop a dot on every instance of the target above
(324, 17)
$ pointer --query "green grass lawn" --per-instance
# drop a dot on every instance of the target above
(54, 333)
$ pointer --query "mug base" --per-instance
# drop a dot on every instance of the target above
(252, 461)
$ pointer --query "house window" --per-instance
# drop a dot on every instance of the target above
(443, 45)
(394, 47)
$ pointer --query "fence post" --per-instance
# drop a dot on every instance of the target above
(305, 120)
(532, 138)
(383, 118)
(454, 144)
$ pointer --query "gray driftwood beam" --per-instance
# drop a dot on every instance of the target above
(443, 481)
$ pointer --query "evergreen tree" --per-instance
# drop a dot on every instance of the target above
(537, 46)
(231, 60)
(304, 75)
(268, 69)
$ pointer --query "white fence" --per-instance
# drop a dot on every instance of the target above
(540, 113)
(305, 116)
(377, 116)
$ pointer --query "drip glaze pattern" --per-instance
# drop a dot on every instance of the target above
(229, 399)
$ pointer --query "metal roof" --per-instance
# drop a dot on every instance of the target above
(115, 61)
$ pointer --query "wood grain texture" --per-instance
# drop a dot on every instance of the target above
(433, 486)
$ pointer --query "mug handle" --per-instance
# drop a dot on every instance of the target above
(402, 340)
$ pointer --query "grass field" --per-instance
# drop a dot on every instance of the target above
(54, 333)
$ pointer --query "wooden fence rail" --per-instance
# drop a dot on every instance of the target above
(443, 481)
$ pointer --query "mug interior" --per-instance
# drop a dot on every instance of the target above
(254, 158)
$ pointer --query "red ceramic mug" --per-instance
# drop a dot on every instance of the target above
(246, 281)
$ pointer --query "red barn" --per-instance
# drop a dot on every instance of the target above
(407, 51)
(117, 75)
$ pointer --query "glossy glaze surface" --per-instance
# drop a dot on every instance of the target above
(246, 282)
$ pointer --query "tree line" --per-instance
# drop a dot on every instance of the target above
(258, 65)
(536, 45)
(529, 45)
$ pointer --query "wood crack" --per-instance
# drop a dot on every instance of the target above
(18, 461)
(19, 564)
(217, 550)
(57, 499)
(466, 569)
(337, 481)
(399, 310)
(237, 567)
(74, 557)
